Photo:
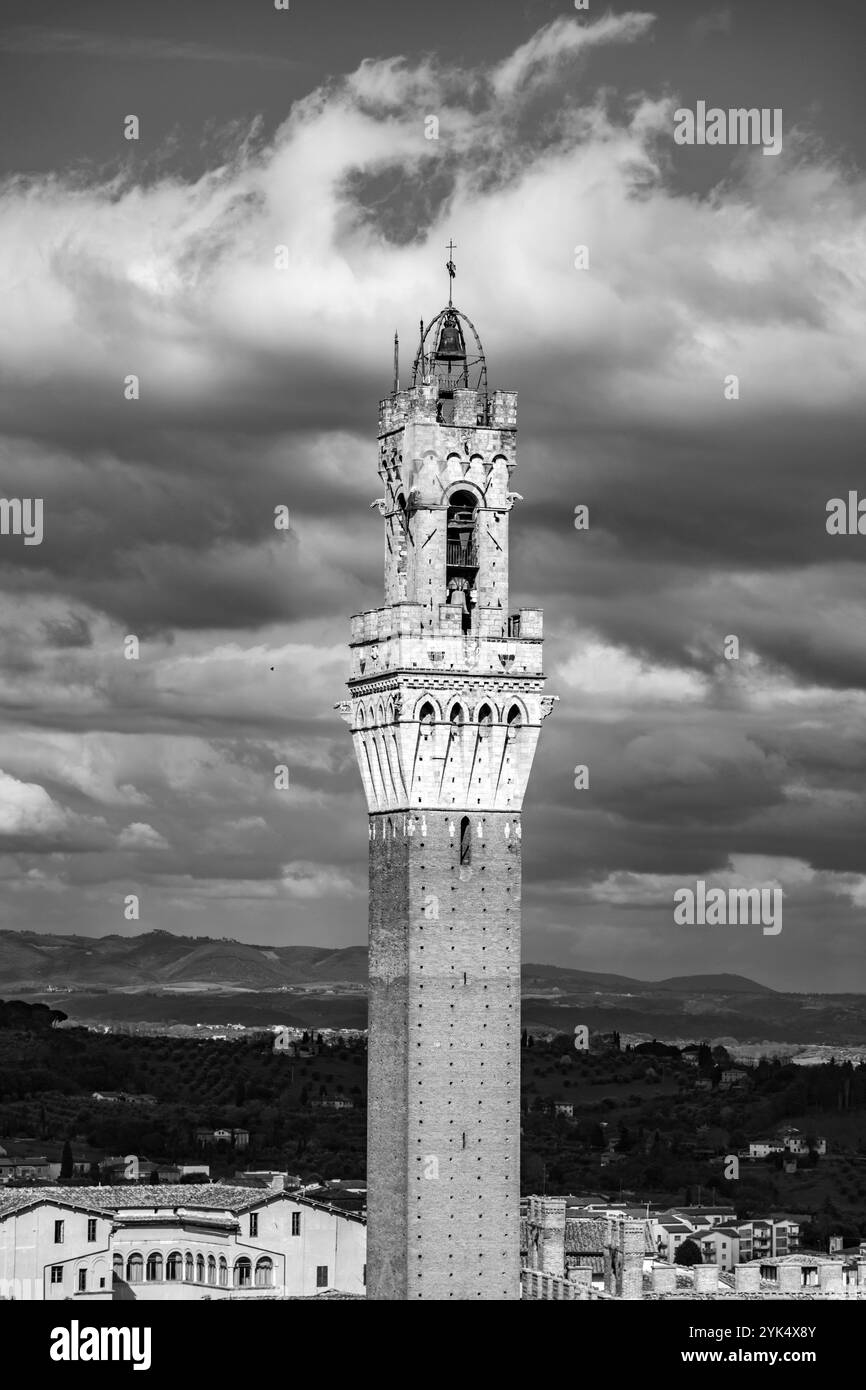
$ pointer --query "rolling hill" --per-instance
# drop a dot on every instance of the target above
(159, 958)
(157, 976)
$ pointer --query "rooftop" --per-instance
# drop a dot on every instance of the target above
(189, 1197)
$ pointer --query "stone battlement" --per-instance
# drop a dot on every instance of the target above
(498, 410)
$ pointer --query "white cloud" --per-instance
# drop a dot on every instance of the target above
(532, 62)
(27, 810)
(139, 835)
(178, 278)
(597, 669)
(307, 881)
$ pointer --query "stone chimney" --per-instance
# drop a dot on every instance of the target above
(547, 1235)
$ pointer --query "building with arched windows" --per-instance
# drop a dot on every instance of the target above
(446, 702)
(175, 1242)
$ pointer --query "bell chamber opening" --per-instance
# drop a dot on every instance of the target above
(461, 555)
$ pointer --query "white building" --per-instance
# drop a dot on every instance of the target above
(762, 1148)
(175, 1243)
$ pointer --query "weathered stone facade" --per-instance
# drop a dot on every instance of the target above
(446, 703)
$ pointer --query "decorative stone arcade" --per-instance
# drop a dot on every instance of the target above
(446, 703)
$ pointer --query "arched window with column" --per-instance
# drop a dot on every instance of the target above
(153, 1268)
(117, 1267)
(199, 1269)
(174, 1266)
(224, 1272)
(243, 1273)
(211, 1269)
(264, 1272)
(189, 1268)
(134, 1269)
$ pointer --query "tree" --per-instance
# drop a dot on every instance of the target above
(689, 1253)
(625, 1143)
(67, 1167)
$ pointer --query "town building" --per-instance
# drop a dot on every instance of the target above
(762, 1148)
(719, 1245)
(768, 1238)
(176, 1242)
(611, 1257)
(787, 1141)
(734, 1078)
(445, 707)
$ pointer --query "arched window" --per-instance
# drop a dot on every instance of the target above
(243, 1273)
(211, 1269)
(264, 1273)
(457, 717)
(515, 721)
(190, 1268)
(199, 1269)
(465, 841)
(174, 1265)
(153, 1269)
(461, 554)
(134, 1269)
(427, 716)
(224, 1272)
(485, 720)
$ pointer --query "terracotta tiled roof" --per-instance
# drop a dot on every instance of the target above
(160, 1196)
(584, 1237)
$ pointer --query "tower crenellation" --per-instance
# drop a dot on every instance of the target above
(445, 706)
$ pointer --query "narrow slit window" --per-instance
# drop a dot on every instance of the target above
(465, 841)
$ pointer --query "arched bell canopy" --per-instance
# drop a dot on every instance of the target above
(444, 355)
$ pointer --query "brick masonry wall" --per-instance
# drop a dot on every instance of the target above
(444, 1085)
(387, 1061)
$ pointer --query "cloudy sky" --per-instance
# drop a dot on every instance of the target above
(259, 387)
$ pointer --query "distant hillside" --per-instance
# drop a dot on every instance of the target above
(34, 959)
(712, 984)
(159, 958)
(559, 976)
(160, 977)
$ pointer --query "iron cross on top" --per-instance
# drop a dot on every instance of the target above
(450, 267)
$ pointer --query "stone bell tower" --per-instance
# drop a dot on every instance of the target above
(445, 709)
